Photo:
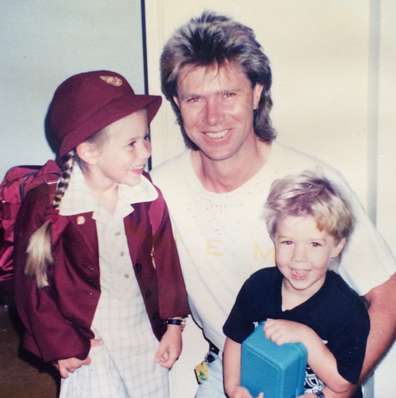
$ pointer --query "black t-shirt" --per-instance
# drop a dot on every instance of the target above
(336, 313)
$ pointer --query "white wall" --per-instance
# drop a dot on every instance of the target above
(334, 72)
(45, 41)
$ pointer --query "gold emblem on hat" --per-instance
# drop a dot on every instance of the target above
(112, 80)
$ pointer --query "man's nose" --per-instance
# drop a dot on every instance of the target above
(214, 113)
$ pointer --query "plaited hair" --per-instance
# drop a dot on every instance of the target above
(310, 194)
(213, 40)
(39, 250)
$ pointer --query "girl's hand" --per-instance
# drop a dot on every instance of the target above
(170, 347)
(69, 365)
(282, 331)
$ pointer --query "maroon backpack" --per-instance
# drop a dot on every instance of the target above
(16, 183)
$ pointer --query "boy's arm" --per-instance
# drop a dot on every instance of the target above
(232, 370)
(320, 358)
(232, 365)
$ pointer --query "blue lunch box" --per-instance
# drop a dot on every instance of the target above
(278, 371)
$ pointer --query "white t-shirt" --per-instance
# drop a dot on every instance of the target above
(222, 238)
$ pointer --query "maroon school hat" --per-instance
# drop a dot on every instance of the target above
(85, 103)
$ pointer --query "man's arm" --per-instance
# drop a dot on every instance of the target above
(382, 313)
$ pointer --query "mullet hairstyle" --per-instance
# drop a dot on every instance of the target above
(213, 40)
(310, 194)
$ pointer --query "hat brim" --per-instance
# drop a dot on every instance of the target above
(110, 113)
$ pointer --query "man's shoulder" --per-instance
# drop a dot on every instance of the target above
(294, 155)
(297, 162)
(168, 169)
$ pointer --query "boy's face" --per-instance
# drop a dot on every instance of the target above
(303, 253)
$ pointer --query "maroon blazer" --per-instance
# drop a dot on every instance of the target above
(58, 317)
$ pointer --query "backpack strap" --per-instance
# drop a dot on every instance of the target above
(156, 212)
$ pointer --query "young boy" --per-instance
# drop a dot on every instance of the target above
(302, 299)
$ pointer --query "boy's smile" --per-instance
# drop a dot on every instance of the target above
(303, 253)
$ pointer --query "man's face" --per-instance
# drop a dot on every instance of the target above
(216, 104)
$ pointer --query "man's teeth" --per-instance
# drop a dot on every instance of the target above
(220, 134)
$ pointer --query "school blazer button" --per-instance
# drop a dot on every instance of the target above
(138, 267)
(148, 294)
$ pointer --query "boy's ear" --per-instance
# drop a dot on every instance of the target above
(87, 152)
(338, 249)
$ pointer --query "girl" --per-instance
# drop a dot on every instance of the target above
(97, 276)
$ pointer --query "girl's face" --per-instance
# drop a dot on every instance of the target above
(124, 153)
(303, 253)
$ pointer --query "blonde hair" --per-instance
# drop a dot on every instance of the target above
(310, 194)
(39, 250)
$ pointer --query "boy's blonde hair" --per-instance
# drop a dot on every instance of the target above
(310, 194)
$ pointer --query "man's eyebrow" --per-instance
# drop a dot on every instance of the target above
(189, 95)
(219, 92)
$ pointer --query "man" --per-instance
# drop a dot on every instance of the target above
(218, 80)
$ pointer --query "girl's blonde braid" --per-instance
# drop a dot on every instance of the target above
(39, 250)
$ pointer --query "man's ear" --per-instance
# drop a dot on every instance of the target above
(258, 89)
(87, 152)
(176, 101)
(338, 249)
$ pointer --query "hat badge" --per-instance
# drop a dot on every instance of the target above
(112, 80)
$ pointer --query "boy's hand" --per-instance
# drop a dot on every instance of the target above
(281, 331)
(242, 392)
